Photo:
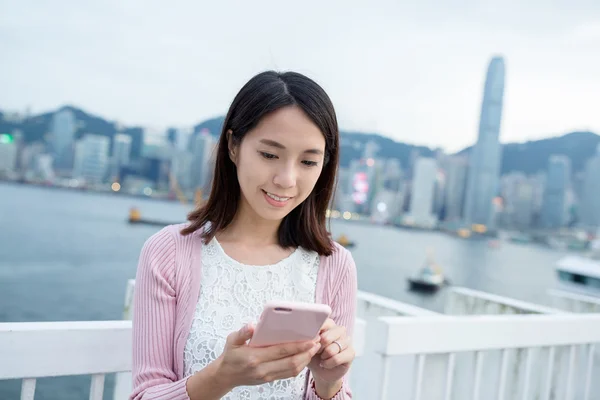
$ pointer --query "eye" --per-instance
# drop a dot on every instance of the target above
(310, 163)
(268, 156)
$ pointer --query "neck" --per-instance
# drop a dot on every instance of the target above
(249, 228)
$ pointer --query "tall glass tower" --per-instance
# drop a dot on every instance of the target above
(63, 127)
(484, 163)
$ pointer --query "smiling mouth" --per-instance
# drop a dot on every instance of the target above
(275, 197)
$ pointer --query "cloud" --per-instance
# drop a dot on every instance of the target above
(411, 71)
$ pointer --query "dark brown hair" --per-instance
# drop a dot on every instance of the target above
(265, 93)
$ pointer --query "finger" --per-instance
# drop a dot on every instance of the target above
(345, 357)
(279, 351)
(240, 337)
(335, 333)
(333, 349)
(290, 366)
(327, 325)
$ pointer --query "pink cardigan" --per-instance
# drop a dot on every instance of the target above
(167, 291)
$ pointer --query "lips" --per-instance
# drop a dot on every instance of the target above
(275, 200)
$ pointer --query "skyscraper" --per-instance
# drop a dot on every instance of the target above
(484, 165)
(121, 154)
(203, 162)
(63, 127)
(590, 202)
(554, 206)
(423, 190)
(456, 170)
(91, 158)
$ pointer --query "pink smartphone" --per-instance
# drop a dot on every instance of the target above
(285, 322)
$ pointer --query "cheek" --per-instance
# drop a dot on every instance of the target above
(250, 176)
(309, 181)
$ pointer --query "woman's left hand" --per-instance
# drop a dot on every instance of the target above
(336, 355)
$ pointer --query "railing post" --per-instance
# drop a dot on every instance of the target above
(385, 362)
(123, 380)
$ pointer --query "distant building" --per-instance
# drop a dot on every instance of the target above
(456, 182)
(519, 192)
(62, 128)
(422, 195)
(121, 154)
(363, 184)
(484, 165)
(203, 151)
(91, 158)
(8, 154)
(387, 206)
(182, 170)
(554, 206)
(590, 201)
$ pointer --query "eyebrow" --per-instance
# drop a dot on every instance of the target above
(278, 145)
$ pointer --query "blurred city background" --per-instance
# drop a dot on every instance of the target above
(468, 135)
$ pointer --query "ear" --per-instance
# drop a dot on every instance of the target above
(232, 147)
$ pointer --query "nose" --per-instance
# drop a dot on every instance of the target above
(285, 177)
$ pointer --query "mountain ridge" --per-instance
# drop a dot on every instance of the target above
(528, 157)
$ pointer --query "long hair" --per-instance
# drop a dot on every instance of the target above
(265, 93)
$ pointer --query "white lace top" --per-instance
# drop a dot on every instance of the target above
(233, 294)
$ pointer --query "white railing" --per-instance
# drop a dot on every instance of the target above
(427, 355)
(465, 301)
(373, 305)
(442, 338)
(31, 350)
(574, 302)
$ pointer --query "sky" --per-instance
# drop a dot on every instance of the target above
(410, 70)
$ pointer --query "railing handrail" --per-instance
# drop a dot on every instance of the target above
(508, 301)
(46, 349)
(574, 296)
(396, 306)
(50, 349)
(446, 334)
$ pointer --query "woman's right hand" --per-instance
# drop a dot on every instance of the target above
(242, 365)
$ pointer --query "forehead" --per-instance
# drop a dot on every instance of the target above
(291, 127)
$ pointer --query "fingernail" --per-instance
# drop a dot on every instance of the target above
(321, 365)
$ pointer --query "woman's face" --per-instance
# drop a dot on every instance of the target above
(278, 163)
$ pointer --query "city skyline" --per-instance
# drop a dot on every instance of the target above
(410, 72)
(152, 134)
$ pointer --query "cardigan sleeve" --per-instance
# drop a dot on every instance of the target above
(154, 304)
(343, 310)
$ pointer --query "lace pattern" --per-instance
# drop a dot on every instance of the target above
(233, 294)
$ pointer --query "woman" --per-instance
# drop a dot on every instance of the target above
(261, 236)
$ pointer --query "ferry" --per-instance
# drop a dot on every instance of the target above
(429, 279)
(344, 241)
(579, 273)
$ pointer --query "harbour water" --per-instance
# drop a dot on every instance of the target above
(66, 256)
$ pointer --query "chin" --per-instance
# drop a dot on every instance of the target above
(274, 215)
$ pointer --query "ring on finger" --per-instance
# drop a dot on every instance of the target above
(339, 345)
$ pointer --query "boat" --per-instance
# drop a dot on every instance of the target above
(520, 238)
(429, 279)
(579, 274)
(344, 241)
(135, 217)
